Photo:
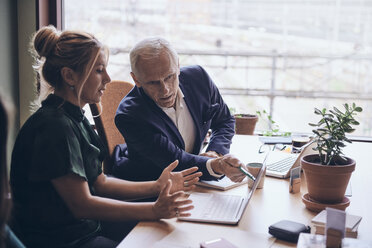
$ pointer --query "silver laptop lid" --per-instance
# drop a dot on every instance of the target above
(258, 177)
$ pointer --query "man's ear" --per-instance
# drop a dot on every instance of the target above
(135, 80)
(69, 76)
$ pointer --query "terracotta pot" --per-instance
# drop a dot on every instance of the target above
(326, 183)
(245, 123)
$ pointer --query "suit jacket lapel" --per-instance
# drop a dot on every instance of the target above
(155, 108)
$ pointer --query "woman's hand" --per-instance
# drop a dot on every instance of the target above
(170, 205)
(181, 180)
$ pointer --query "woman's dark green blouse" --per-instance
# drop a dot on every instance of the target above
(55, 141)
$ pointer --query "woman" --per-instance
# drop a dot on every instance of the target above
(60, 193)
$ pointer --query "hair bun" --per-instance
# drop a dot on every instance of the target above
(45, 40)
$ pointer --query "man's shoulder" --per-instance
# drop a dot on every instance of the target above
(131, 103)
(191, 69)
(195, 79)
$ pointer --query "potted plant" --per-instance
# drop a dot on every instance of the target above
(244, 123)
(328, 171)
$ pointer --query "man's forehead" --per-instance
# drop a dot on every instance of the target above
(157, 68)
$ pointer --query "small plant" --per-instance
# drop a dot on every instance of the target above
(330, 132)
(232, 110)
(273, 127)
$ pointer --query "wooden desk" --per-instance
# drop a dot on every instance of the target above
(268, 205)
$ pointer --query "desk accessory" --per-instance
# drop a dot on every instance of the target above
(272, 140)
(249, 175)
(318, 206)
(295, 180)
(307, 240)
(335, 227)
(288, 230)
(351, 225)
(333, 238)
(298, 142)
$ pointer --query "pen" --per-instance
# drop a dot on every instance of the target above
(247, 173)
(244, 171)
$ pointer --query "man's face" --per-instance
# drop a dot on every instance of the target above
(158, 78)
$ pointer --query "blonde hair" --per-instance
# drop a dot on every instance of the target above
(150, 48)
(54, 50)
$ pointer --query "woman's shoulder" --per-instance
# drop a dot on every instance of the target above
(49, 119)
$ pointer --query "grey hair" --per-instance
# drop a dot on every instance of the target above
(150, 48)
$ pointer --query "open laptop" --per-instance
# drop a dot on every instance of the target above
(279, 164)
(221, 208)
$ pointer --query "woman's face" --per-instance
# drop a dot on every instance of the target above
(96, 82)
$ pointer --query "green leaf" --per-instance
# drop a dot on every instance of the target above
(358, 109)
(337, 110)
(333, 112)
(350, 130)
(316, 132)
(313, 125)
(317, 111)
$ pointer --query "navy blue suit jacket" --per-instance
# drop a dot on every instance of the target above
(152, 139)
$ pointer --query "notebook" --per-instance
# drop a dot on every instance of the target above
(222, 184)
(352, 221)
(279, 163)
(221, 208)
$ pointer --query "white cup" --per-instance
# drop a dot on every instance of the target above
(254, 169)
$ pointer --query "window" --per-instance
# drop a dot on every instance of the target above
(285, 57)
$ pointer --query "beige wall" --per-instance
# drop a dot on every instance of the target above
(26, 27)
(17, 22)
(9, 64)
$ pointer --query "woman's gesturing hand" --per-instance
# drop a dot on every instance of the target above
(170, 205)
(181, 180)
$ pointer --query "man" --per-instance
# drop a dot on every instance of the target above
(167, 115)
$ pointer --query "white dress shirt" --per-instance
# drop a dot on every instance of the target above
(182, 119)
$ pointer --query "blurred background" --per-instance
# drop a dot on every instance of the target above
(282, 56)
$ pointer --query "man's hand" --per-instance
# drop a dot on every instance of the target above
(211, 154)
(229, 166)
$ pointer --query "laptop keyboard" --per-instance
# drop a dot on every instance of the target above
(282, 165)
(222, 207)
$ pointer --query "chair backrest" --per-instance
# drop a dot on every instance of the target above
(104, 121)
